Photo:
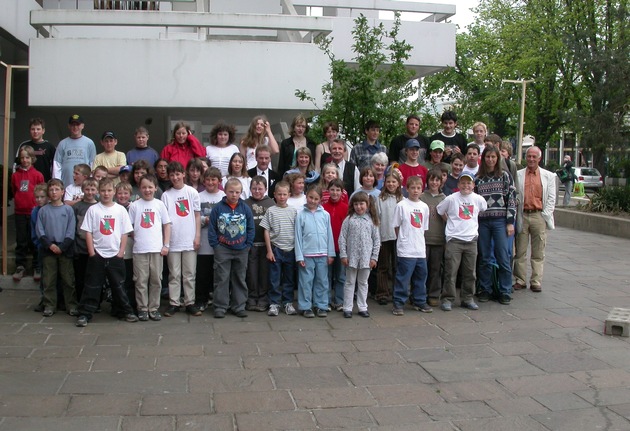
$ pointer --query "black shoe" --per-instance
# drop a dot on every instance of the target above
(308, 313)
(483, 296)
(193, 310)
(505, 299)
(82, 321)
(347, 314)
(321, 312)
(364, 313)
(171, 310)
(39, 307)
(240, 313)
(219, 314)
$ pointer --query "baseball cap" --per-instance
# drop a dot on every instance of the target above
(75, 118)
(125, 168)
(108, 134)
(436, 145)
(411, 143)
(462, 176)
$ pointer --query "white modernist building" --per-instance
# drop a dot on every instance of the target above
(122, 64)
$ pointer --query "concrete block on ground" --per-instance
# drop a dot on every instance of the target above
(618, 322)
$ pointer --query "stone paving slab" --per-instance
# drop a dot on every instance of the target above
(541, 363)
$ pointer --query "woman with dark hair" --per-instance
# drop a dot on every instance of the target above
(221, 146)
(297, 140)
(183, 146)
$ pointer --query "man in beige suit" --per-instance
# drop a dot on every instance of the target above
(537, 188)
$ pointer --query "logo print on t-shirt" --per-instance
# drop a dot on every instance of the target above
(183, 208)
(148, 219)
(466, 211)
(24, 185)
(416, 219)
(107, 225)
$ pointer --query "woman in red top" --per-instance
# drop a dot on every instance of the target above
(184, 146)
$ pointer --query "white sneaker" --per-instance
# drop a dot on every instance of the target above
(273, 310)
(288, 308)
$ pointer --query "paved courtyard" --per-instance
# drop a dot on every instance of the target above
(541, 363)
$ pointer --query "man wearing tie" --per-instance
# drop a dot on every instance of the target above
(349, 172)
(263, 159)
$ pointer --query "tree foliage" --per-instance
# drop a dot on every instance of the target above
(376, 86)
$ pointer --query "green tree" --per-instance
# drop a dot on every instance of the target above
(377, 85)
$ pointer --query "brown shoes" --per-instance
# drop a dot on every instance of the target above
(536, 288)
(518, 286)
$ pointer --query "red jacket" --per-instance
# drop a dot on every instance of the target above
(175, 152)
(338, 212)
(23, 182)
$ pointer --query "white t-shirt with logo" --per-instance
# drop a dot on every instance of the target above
(107, 224)
(463, 213)
(411, 219)
(182, 205)
(148, 218)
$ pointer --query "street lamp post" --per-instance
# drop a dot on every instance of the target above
(521, 121)
(5, 173)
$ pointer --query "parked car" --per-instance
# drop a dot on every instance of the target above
(590, 177)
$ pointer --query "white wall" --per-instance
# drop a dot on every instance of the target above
(14, 18)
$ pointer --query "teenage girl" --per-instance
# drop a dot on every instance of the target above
(236, 169)
(330, 172)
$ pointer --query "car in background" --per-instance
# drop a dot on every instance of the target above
(590, 177)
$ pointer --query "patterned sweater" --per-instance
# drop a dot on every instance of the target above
(500, 194)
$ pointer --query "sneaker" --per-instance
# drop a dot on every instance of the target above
(143, 316)
(73, 312)
(433, 302)
(131, 318)
(347, 314)
(81, 322)
(483, 296)
(446, 306)
(339, 307)
(39, 308)
(250, 307)
(18, 274)
(193, 310)
(171, 310)
(382, 301)
(505, 299)
(155, 316)
(364, 313)
(37, 276)
(274, 310)
(424, 308)
(240, 313)
(201, 306)
(321, 312)
(308, 313)
(48, 312)
(219, 314)
(470, 305)
(398, 312)
(289, 309)
(261, 308)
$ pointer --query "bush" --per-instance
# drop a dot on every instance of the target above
(610, 199)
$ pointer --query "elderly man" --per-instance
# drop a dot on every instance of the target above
(535, 215)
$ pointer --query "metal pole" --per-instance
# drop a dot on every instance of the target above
(5, 171)
(521, 122)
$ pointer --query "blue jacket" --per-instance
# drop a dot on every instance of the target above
(313, 234)
(231, 228)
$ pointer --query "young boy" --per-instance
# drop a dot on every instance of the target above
(279, 226)
(183, 205)
(152, 233)
(99, 173)
(106, 225)
(110, 158)
(411, 220)
(362, 154)
(257, 269)
(73, 192)
(23, 182)
(338, 211)
(472, 160)
(209, 198)
(231, 235)
(43, 150)
(412, 167)
(450, 185)
(142, 151)
(123, 198)
(55, 229)
(41, 198)
(90, 190)
(461, 211)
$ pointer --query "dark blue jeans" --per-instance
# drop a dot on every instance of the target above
(282, 277)
(493, 241)
(99, 268)
(410, 270)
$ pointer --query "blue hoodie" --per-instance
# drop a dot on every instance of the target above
(313, 234)
(231, 228)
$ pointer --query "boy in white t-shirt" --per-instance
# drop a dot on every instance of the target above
(472, 160)
(152, 234)
(411, 219)
(209, 198)
(106, 225)
(74, 192)
(183, 205)
(461, 211)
